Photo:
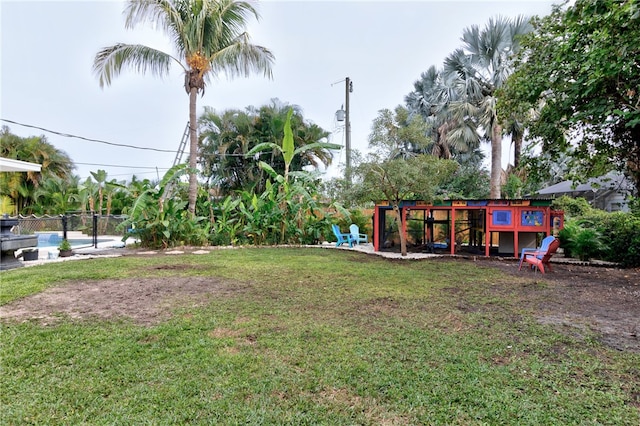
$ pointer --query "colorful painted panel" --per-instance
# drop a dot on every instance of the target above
(502, 218)
(532, 218)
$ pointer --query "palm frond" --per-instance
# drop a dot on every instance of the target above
(163, 13)
(110, 61)
(241, 59)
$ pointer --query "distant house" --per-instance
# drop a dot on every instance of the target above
(608, 192)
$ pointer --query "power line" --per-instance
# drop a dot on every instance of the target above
(130, 174)
(124, 167)
(67, 135)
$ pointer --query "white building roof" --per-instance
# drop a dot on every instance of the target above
(10, 165)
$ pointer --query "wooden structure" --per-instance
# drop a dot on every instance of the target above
(484, 227)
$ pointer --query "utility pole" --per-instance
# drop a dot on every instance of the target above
(347, 129)
(343, 115)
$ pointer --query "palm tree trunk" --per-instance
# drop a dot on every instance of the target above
(517, 149)
(496, 161)
(193, 150)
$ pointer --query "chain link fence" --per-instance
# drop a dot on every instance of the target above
(87, 224)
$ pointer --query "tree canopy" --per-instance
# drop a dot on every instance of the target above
(394, 173)
(209, 39)
(20, 188)
(578, 82)
(459, 100)
(227, 137)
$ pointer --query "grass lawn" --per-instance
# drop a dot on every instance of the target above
(310, 337)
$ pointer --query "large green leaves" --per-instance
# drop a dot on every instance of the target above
(287, 142)
(160, 222)
(287, 149)
(579, 73)
(235, 143)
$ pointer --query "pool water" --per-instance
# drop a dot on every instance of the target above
(53, 240)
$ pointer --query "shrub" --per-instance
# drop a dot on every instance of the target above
(572, 207)
(513, 187)
(621, 232)
(581, 239)
(634, 205)
(614, 237)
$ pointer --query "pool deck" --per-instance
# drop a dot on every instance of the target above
(108, 246)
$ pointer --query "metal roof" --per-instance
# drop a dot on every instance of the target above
(611, 182)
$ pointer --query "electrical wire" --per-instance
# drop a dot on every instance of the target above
(124, 167)
(67, 135)
(130, 174)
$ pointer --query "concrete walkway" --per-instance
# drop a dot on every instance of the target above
(368, 249)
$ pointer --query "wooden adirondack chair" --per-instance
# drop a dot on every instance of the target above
(544, 245)
(342, 237)
(356, 236)
(541, 259)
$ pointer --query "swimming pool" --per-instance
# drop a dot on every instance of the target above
(53, 240)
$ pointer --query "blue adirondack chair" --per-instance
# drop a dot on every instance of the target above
(342, 237)
(539, 252)
(356, 236)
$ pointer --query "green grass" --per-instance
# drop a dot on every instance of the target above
(314, 337)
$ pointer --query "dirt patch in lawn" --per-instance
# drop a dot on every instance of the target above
(599, 301)
(145, 301)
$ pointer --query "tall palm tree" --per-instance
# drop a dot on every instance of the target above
(432, 97)
(481, 67)
(209, 39)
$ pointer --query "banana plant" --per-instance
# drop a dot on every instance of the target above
(288, 149)
(225, 223)
(160, 222)
(288, 152)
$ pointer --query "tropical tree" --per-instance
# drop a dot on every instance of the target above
(20, 188)
(389, 174)
(482, 66)
(56, 195)
(209, 39)
(88, 194)
(227, 137)
(286, 211)
(397, 134)
(287, 149)
(270, 127)
(431, 98)
(577, 81)
(100, 177)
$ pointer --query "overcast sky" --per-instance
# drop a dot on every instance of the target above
(47, 50)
